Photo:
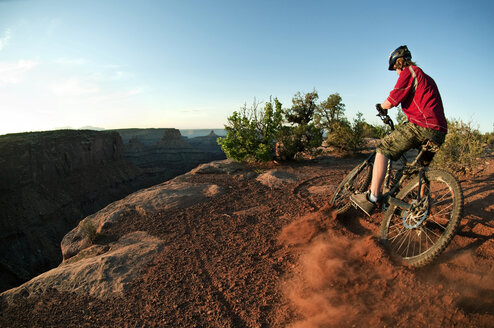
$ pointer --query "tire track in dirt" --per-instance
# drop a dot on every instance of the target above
(217, 293)
(207, 276)
(317, 190)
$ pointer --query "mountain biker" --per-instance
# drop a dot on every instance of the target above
(421, 102)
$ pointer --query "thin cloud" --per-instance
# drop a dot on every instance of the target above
(4, 40)
(134, 91)
(122, 75)
(111, 76)
(192, 111)
(13, 72)
(74, 87)
(71, 61)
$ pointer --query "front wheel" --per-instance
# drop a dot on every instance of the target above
(357, 180)
(419, 234)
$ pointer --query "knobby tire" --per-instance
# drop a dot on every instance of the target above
(419, 245)
(356, 181)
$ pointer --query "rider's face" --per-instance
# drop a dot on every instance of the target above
(398, 71)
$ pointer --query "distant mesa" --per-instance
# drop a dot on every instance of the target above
(88, 127)
(164, 153)
(193, 133)
(173, 139)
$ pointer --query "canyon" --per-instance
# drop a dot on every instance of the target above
(51, 180)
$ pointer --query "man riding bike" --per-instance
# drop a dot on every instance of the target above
(421, 102)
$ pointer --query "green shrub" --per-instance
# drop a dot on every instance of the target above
(90, 231)
(371, 131)
(303, 108)
(400, 117)
(381, 130)
(489, 139)
(330, 112)
(348, 136)
(304, 136)
(462, 149)
(297, 139)
(251, 133)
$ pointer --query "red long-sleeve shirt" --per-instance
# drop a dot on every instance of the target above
(420, 99)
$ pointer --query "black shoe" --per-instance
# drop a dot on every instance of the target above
(362, 201)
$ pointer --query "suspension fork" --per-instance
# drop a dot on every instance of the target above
(396, 184)
(390, 184)
(422, 184)
(420, 194)
(387, 178)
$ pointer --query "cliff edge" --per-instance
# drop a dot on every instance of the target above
(49, 182)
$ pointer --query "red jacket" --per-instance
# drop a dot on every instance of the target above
(420, 99)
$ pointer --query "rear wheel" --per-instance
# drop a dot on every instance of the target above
(356, 181)
(418, 235)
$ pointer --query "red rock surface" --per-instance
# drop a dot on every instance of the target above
(256, 256)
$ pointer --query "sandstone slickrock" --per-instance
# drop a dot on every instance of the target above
(276, 178)
(103, 270)
(173, 193)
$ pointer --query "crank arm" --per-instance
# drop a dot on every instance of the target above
(399, 203)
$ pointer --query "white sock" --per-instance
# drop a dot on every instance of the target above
(372, 197)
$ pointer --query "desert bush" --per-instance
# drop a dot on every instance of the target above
(329, 112)
(400, 117)
(251, 132)
(297, 139)
(488, 138)
(303, 136)
(90, 231)
(462, 149)
(259, 135)
(381, 130)
(371, 131)
(303, 108)
(346, 135)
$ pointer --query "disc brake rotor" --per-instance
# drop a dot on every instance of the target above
(416, 215)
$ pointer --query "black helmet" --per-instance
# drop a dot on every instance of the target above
(398, 53)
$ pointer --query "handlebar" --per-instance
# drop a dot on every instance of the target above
(383, 115)
(387, 120)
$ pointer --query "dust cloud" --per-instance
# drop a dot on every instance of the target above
(346, 280)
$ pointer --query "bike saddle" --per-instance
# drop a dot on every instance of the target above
(430, 146)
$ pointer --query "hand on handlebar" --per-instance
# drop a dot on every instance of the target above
(383, 114)
(381, 110)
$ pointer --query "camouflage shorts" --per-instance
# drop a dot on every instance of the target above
(406, 137)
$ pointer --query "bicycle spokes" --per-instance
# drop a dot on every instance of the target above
(356, 181)
(418, 229)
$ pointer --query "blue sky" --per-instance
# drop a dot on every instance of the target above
(190, 64)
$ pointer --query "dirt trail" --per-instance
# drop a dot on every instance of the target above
(257, 256)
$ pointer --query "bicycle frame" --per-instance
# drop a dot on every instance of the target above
(392, 186)
(407, 170)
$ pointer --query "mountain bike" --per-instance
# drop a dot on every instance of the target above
(422, 206)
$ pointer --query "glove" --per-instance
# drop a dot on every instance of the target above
(381, 110)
